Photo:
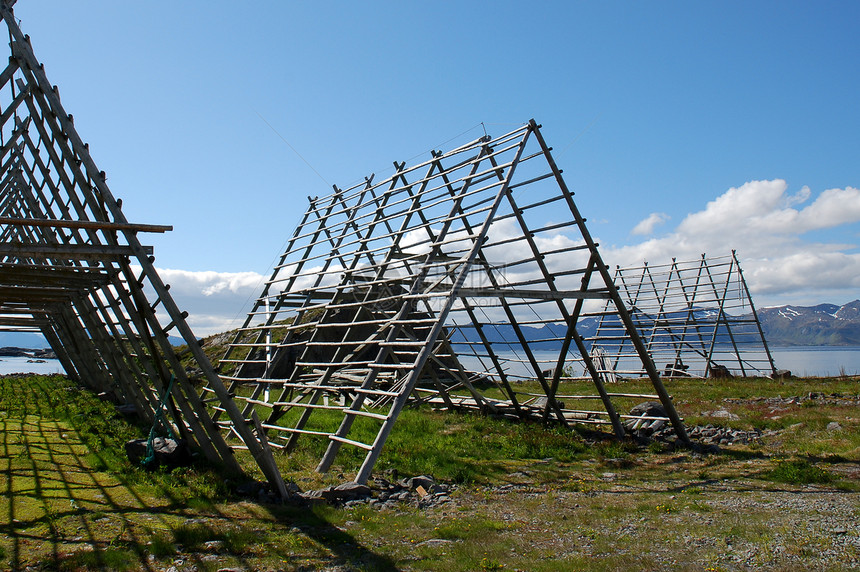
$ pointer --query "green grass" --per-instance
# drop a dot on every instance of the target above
(161, 546)
(454, 447)
(70, 500)
(468, 447)
(118, 559)
(799, 472)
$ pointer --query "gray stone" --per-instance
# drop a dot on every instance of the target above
(435, 542)
(834, 426)
(341, 493)
(423, 481)
(722, 414)
(213, 544)
(126, 409)
(352, 490)
(248, 488)
(168, 452)
(649, 409)
(718, 371)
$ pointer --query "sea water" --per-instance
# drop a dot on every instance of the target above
(802, 361)
(30, 365)
(823, 361)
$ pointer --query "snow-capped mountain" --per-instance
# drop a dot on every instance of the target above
(821, 325)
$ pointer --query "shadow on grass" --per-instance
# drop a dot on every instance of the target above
(70, 501)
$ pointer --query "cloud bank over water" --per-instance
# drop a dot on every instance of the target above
(792, 247)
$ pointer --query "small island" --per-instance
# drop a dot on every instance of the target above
(40, 354)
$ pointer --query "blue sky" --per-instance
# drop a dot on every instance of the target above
(654, 110)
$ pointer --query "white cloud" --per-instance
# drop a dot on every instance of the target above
(804, 270)
(209, 283)
(833, 207)
(801, 197)
(646, 226)
(215, 301)
(766, 225)
(760, 219)
(760, 208)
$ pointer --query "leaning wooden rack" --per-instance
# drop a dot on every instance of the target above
(457, 282)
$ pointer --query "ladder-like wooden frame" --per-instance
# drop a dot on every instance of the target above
(73, 268)
(430, 286)
(697, 317)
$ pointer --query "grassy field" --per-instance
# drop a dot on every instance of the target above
(528, 497)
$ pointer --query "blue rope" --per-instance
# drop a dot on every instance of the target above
(159, 417)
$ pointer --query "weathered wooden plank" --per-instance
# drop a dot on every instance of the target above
(90, 224)
(68, 251)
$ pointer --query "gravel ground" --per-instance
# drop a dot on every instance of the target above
(732, 528)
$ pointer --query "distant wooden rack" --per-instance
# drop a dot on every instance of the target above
(696, 316)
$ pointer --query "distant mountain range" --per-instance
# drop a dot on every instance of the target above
(22, 340)
(821, 325)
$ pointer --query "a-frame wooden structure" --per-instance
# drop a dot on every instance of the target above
(458, 281)
(73, 268)
(696, 317)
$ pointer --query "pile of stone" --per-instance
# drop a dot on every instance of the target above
(650, 422)
(813, 397)
(716, 435)
(650, 418)
(422, 492)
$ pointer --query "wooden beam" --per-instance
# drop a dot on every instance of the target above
(20, 322)
(68, 251)
(67, 277)
(40, 294)
(534, 294)
(14, 310)
(89, 224)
